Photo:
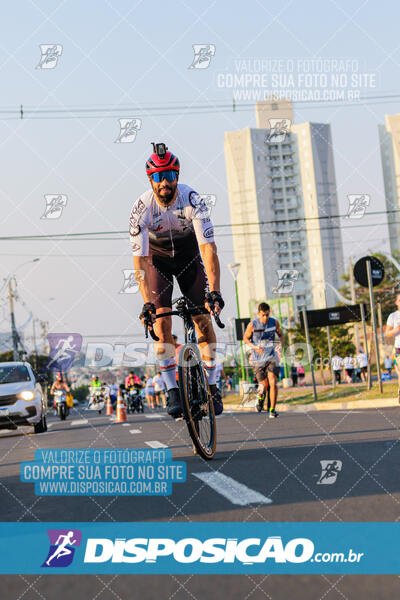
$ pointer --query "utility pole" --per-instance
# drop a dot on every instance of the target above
(14, 333)
(353, 298)
(43, 325)
(35, 352)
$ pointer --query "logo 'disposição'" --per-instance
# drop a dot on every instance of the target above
(63, 543)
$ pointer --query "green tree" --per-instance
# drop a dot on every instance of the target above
(384, 292)
(341, 338)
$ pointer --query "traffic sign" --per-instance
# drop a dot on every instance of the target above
(240, 327)
(337, 315)
(377, 271)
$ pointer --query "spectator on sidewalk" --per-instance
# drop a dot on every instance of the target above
(293, 374)
(337, 363)
(348, 363)
(301, 374)
(362, 360)
(388, 362)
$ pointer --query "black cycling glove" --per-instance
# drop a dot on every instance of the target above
(212, 297)
(147, 310)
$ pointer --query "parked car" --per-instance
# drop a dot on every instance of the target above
(22, 401)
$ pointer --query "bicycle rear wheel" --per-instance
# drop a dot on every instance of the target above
(198, 407)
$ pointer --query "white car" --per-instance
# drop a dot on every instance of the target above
(22, 400)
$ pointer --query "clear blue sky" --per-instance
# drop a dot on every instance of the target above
(137, 54)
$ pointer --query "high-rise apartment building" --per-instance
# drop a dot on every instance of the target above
(389, 136)
(281, 183)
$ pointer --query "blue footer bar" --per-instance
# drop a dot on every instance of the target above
(213, 548)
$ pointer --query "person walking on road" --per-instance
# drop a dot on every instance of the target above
(337, 363)
(393, 331)
(149, 388)
(159, 390)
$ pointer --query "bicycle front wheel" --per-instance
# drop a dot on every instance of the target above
(198, 407)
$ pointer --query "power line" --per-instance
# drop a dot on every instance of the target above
(85, 112)
(296, 220)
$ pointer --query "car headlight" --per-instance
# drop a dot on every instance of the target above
(27, 395)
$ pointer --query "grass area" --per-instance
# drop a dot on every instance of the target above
(340, 393)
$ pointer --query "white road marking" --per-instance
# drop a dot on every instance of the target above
(135, 431)
(156, 444)
(232, 490)
(126, 424)
(79, 422)
(154, 416)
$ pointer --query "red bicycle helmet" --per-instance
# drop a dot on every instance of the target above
(161, 160)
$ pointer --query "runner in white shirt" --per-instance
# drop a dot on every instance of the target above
(149, 389)
(362, 360)
(337, 363)
(159, 389)
(348, 363)
(393, 331)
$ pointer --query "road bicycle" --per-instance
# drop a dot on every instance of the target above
(197, 404)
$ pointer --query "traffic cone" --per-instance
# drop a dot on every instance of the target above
(109, 408)
(121, 409)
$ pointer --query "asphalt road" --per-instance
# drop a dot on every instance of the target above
(273, 466)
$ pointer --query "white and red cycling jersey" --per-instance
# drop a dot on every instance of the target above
(170, 230)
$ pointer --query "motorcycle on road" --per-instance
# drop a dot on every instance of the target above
(134, 401)
(62, 409)
(97, 399)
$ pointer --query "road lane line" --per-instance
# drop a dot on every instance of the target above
(156, 444)
(126, 424)
(232, 490)
(135, 431)
(79, 422)
(154, 416)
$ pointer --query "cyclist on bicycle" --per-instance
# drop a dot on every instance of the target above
(172, 236)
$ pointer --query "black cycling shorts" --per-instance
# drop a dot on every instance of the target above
(189, 273)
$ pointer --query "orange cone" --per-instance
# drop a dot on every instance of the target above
(121, 409)
(109, 408)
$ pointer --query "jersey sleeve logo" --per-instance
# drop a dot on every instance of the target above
(209, 232)
(134, 228)
(138, 208)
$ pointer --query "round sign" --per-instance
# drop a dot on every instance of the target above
(377, 271)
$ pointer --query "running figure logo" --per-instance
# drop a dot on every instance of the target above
(50, 55)
(128, 130)
(131, 281)
(286, 281)
(202, 56)
(329, 472)
(62, 547)
(358, 204)
(55, 204)
(63, 348)
(278, 128)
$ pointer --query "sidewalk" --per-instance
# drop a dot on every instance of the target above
(352, 404)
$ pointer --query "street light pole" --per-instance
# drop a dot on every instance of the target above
(14, 334)
(234, 269)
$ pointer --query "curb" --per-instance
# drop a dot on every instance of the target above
(318, 406)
